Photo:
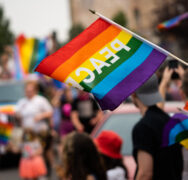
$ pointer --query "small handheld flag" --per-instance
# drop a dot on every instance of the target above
(176, 130)
(105, 59)
(172, 22)
(5, 132)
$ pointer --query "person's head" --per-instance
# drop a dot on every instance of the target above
(68, 94)
(31, 89)
(185, 85)
(81, 158)
(29, 135)
(82, 95)
(109, 144)
(148, 94)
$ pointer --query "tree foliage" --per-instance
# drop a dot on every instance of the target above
(6, 36)
(120, 18)
(75, 31)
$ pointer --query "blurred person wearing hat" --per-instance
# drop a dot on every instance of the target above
(153, 161)
(109, 145)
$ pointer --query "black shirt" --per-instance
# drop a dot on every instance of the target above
(87, 110)
(147, 136)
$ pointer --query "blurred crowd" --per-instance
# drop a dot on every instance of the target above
(53, 124)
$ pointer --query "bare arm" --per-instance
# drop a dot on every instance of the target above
(164, 84)
(97, 118)
(76, 122)
(145, 164)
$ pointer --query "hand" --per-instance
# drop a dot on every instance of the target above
(93, 121)
(167, 74)
(80, 127)
(38, 118)
(180, 71)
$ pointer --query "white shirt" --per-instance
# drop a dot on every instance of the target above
(117, 173)
(30, 108)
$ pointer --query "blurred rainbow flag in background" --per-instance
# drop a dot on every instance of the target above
(172, 22)
(5, 132)
(104, 60)
(28, 52)
(176, 130)
(7, 108)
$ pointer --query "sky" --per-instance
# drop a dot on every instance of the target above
(38, 18)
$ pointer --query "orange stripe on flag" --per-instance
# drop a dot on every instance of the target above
(85, 52)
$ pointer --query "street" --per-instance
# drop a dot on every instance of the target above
(13, 174)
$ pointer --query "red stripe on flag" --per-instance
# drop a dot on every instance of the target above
(49, 64)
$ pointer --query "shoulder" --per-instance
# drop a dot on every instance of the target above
(119, 172)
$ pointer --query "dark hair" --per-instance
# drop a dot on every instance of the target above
(111, 163)
(81, 158)
(185, 83)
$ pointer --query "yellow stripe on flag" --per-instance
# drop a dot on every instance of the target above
(26, 53)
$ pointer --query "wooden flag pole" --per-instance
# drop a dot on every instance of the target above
(140, 38)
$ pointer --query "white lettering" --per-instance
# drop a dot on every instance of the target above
(120, 45)
(73, 83)
(110, 54)
(92, 75)
(98, 67)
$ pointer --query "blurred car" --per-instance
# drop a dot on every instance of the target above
(122, 120)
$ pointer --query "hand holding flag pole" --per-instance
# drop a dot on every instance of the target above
(140, 38)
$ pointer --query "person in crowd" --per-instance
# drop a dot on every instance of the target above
(85, 112)
(5, 73)
(32, 165)
(80, 158)
(34, 110)
(109, 145)
(153, 161)
(171, 82)
(63, 100)
(35, 113)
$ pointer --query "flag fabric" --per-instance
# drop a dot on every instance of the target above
(28, 52)
(104, 60)
(5, 132)
(7, 108)
(176, 130)
(172, 22)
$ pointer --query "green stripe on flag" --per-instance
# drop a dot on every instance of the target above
(134, 44)
(181, 136)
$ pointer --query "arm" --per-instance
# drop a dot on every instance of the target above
(164, 84)
(76, 122)
(97, 118)
(145, 164)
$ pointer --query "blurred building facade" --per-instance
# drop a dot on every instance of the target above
(139, 14)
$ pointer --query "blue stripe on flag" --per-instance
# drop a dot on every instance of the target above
(115, 77)
(176, 130)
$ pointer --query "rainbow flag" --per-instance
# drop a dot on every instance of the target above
(172, 22)
(7, 108)
(28, 52)
(5, 132)
(104, 60)
(176, 131)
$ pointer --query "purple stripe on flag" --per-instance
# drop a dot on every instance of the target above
(180, 116)
(166, 131)
(174, 120)
(134, 80)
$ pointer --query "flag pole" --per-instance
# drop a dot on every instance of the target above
(139, 37)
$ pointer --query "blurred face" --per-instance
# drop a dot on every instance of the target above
(30, 91)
